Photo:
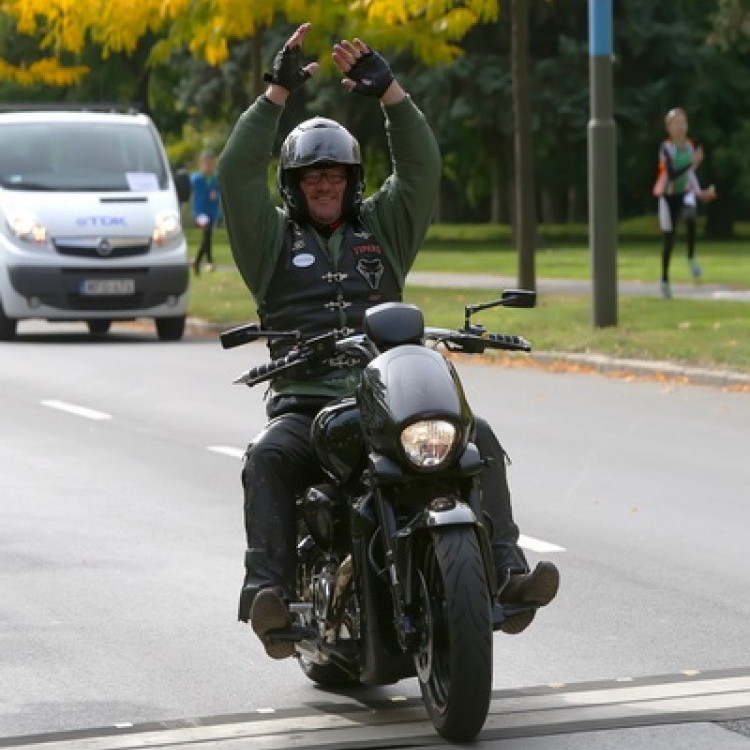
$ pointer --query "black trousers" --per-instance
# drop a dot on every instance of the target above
(205, 251)
(279, 465)
(677, 211)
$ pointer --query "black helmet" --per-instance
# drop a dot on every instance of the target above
(319, 142)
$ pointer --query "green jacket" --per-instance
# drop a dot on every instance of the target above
(398, 214)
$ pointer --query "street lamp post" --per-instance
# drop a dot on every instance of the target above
(602, 166)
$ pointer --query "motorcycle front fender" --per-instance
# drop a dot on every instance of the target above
(432, 517)
(442, 511)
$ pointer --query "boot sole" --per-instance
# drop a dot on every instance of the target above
(542, 588)
(269, 613)
(543, 585)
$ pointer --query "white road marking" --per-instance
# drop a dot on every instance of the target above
(226, 450)
(527, 542)
(80, 411)
(537, 545)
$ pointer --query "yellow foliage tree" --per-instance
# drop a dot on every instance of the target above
(430, 28)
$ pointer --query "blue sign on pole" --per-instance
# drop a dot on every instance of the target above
(600, 27)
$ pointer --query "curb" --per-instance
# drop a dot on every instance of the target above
(599, 363)
(617, 366)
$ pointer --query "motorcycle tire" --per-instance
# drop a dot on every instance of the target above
(454, 662)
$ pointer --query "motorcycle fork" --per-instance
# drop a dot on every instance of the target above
(406, 632)
(399, 558)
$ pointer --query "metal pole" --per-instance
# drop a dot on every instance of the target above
(602, 166)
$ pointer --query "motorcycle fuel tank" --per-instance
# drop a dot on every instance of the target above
(337, 438)
(405, 384)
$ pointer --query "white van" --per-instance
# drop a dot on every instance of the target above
(89, 222)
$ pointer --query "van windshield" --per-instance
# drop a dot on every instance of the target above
(69, 156)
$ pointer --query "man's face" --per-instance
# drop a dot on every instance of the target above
(324, 192)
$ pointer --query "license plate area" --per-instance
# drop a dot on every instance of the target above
(106, 287)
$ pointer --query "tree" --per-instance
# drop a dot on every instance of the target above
(206, 28)
(731, 24)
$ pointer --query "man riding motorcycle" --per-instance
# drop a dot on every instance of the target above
(315, 266)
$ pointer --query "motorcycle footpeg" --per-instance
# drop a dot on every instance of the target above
(501, 613)
(293, 633)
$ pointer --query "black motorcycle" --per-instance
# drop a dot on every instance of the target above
(394, 566)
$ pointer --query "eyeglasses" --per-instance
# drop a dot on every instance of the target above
(316, 176)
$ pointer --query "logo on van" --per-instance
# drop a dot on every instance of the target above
(101, 221)
(104, 248)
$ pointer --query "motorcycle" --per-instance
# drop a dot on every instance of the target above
(395, 575)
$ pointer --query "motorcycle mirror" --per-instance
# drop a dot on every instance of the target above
(509, 298)
(519, 298)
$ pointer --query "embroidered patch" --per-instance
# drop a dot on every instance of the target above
(371, 270)
(303, 260)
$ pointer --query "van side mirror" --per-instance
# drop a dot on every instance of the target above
(181, 179)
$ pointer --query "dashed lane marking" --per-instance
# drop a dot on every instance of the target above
(80, 411)
(226, 450)
(526, 542)
(537, 545)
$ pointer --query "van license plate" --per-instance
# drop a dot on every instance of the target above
(107, 286)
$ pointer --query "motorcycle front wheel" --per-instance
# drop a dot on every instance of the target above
(454, 660)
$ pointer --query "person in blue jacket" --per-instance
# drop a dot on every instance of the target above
(206, 206)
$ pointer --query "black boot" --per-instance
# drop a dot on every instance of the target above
(270, 613)
(528, 590)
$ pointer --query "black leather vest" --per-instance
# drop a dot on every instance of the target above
(308, 294)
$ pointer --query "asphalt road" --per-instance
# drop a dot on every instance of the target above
(121, 555)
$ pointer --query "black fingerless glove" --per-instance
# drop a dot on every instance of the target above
(286, 70)
(372, 75)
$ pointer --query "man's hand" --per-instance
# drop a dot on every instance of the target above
(287, 72)
(367, 72)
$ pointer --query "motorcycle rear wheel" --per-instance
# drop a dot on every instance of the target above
(454, 662)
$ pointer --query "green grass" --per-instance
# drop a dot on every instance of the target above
(697, 332)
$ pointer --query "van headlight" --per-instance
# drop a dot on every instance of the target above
(27, 227)
(429, 443)
(167, 228)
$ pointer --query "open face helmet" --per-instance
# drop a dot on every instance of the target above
(319, 142)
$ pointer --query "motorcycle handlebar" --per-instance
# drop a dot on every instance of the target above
(267, 370)
(507, 341)
(472, 342)
(322, 347)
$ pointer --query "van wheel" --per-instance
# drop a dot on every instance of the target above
(170, 329)
(7, 326)
(98, 327)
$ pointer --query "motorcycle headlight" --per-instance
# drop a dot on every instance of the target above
(428, 444)
(26, 227)
(167, 228)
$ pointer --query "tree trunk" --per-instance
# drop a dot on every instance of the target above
(572, 213)
(547, 207)
(496, 198)
(257, 62)
(525, 224)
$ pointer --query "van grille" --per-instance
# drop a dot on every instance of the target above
(102, 248)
